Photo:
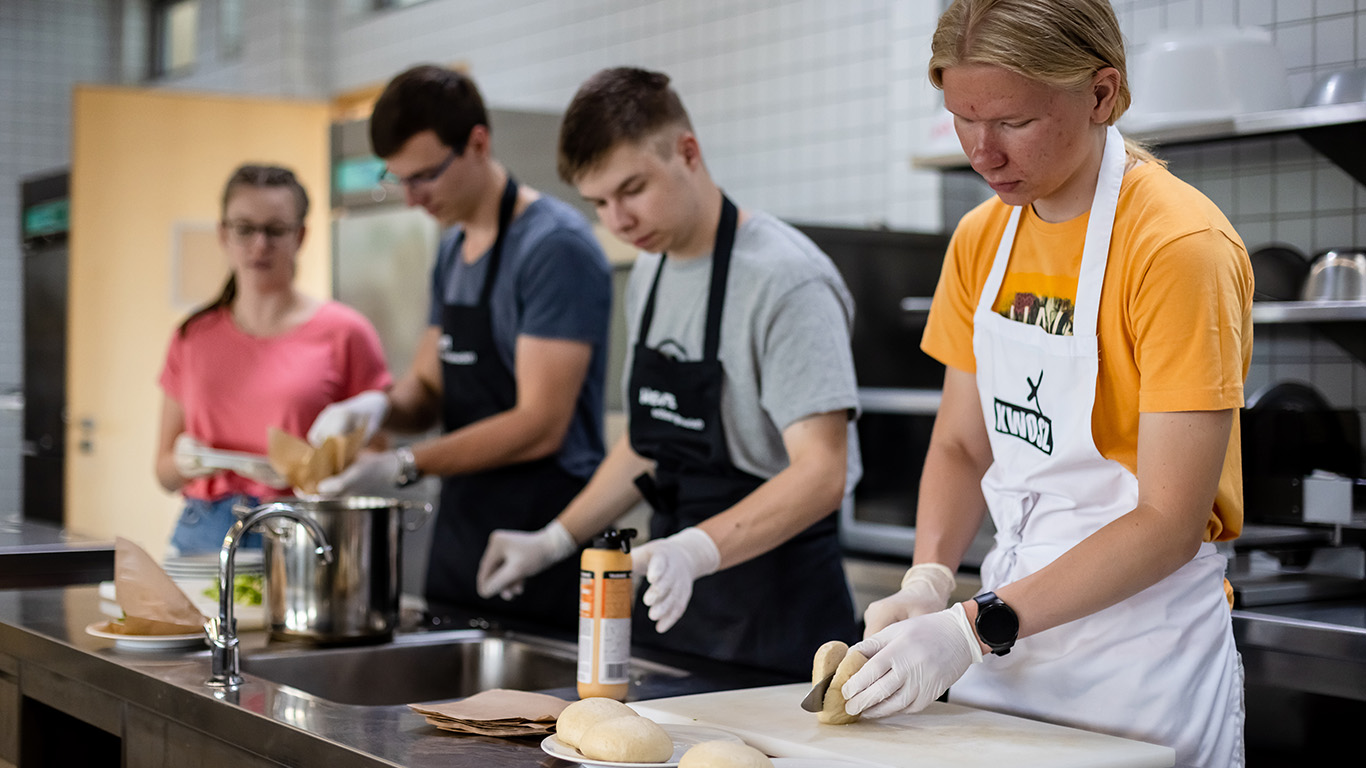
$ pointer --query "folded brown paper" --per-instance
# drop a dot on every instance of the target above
(498, 712)
(152, 603)
(303, 465)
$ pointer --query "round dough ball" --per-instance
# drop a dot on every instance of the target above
(724, 754)
(583, 714)
(627, 740)
(832, 713)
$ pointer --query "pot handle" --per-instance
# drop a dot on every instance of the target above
(424, 509)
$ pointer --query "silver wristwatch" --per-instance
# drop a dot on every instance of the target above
(408, 472)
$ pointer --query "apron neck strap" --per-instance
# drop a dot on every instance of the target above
(505, 208)
(720, 269)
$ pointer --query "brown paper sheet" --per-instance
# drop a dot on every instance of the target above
(303, 465)
(498, 712)
(152, 603)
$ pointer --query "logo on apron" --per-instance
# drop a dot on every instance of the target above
(664, 407)
(454, 357)
(1027, 424)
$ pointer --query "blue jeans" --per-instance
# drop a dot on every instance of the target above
(203, 525)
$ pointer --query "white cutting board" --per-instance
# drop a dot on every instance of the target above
(948, 735)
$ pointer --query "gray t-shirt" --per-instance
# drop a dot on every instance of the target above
(785, 331)
(554, 282)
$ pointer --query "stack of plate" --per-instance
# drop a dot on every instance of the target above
(197, 577)
(247, 562)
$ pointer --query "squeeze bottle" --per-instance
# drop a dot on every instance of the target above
(605, 595)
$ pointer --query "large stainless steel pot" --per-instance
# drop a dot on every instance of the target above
(354, 598)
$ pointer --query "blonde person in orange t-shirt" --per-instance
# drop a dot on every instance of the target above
(1094, 321)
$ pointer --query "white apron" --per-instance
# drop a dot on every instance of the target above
(1159, 667)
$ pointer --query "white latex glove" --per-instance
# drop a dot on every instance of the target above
(367, 409)
(186, 452)
(924, 589)
(912, 663)
(373, 473)
(512, 557)
(671, 565)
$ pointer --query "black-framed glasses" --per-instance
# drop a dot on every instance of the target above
(421, 177)
(246, 231)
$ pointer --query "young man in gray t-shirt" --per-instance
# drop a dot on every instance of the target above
(740, 392)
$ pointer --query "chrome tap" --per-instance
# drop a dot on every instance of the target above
(222, 630)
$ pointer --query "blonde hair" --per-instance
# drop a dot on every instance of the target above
(1060, 43)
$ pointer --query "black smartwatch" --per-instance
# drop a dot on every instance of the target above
(997, 624)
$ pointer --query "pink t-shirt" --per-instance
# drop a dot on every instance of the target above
(233, 387)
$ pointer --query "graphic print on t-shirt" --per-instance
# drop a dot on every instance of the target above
(1051, 313)
(1028, 424)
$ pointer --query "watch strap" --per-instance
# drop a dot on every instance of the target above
(408, 472)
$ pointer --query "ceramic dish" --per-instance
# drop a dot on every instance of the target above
(684, 737)
(144, 643)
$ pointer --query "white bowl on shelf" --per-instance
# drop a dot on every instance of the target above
(1204, 75)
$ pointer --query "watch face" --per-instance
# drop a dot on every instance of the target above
(997, 624)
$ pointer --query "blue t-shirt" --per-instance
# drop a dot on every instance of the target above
(553, 282)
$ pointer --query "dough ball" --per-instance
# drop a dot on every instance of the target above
(724, 754)
(627, 740)
(832, 712)
(583, 714)
(827, 660)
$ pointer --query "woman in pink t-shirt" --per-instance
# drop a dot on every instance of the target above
(261, 355)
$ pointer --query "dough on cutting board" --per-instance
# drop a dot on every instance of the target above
(835, 657)
(724, 754)
(583, 714)
(627, 740)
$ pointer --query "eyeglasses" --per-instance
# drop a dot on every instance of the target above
(243, 232)
(421, 177)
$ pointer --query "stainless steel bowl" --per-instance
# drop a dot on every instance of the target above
(1338, 275)
(1343, 87)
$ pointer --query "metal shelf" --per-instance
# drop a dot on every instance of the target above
(1308, 311)
(1334, 130)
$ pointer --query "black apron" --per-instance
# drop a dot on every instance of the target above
(775, 610)
(525, 496)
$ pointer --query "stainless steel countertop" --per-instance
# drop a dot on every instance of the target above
(36, 554)
(42, 635)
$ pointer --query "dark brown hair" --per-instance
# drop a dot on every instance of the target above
(259, 177)
(622, 104)
(426, 98)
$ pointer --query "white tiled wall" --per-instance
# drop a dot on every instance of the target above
(45, 46)
(807, 108)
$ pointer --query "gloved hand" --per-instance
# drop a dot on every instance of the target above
(912, 663)
(671, 565)
(186, 452)
(924, 589)
(512, 557)
(367, 409)
(372, 473)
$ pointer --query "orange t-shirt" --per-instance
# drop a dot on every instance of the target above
(1175, 321)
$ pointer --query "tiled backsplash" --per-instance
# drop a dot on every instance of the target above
(810, 109)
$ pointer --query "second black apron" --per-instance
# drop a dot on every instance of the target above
(775, 610)
(476, 384)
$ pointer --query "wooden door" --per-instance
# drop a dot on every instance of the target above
(147, 173)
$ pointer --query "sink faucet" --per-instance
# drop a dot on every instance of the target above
(222, 630)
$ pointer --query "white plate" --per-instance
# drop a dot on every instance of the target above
(237, 461)
(808, 762)
(147, 642)
(247, 562)
(684, 737)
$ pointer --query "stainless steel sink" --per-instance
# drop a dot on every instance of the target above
(428, 666)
